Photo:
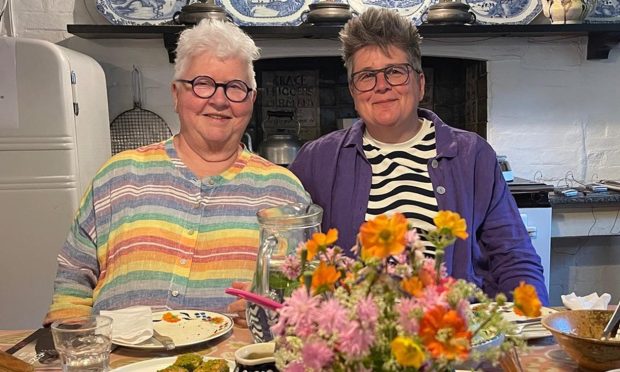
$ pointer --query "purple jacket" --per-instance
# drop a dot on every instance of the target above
(466, 178)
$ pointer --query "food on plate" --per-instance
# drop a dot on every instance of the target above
(188, 361)
(173, 368)
(170, 317)
(194, 363)
(213, 365)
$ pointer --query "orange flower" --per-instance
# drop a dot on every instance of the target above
(407, 352)
(320, 241)
(453, 222)
(445, 334)
(383, 236)
(526, 300)
(413, 286)
(324, 278)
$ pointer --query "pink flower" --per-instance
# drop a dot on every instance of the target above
(356, 342)
(367, 313)
(316, 355)
(291, 267)
(332, 318)
(407, 320)
(298, 311)
(295, 367)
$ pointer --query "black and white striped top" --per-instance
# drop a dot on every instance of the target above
(400, 180)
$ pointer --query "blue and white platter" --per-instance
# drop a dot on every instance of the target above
(410, 9)
(139, 12)
(505, 11)
(605, 11)
(266, 12)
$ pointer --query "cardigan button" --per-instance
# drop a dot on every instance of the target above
(441, 190)
(434, 163)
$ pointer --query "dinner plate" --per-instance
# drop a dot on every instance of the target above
(157, 364)
(191, 327)
(410, 9)
(139, 12)
(537, 331)
(266, 12)
(505, 11)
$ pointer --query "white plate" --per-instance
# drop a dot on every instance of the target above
(505, 11)
(139, 12)
(537, 331)
(410, 9)
(605, 11)
(194, 327)
(157, 364)
(266, 12)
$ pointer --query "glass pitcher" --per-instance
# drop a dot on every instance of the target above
(282, 228)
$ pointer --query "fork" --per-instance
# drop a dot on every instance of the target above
(166, 341)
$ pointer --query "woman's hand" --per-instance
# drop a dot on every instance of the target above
(238, 307)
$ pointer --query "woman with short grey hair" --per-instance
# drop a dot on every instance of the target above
(173, 224)
(402, 158)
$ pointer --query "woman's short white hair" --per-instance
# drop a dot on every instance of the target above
(221, 39)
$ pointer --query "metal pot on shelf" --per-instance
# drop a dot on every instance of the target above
(192, 14)
(281, 146)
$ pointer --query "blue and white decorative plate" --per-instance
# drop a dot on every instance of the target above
(266, 12)
(505, 11)
(605, 11)
(411, 9)
(139, 12)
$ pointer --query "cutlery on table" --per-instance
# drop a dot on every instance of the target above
(253, 297)
(612, 325)
(166, 341)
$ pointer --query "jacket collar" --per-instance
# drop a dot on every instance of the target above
(445, 143)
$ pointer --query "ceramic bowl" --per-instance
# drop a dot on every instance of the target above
(578, 332)
(256, 358)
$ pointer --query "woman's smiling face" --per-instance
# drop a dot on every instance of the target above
(389, 112)
(216, 121)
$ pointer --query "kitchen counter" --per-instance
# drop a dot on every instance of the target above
(585, 199)
(587, 214)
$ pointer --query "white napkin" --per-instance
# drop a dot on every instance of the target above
(131, 325)
(590, 302)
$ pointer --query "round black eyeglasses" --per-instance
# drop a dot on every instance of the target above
(366, 80)
(205, 87)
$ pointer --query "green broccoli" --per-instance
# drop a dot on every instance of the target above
(188, 361)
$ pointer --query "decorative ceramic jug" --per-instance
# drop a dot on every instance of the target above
(567, 11)
(281, 230)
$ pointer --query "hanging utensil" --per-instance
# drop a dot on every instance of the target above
(137, 127)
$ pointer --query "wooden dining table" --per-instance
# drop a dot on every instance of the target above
(542, 354)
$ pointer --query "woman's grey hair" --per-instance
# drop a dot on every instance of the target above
(221, 39)
(383, 28)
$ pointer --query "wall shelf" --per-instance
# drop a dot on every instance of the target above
(602, 37)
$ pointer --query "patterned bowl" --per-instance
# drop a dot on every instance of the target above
(578, 332)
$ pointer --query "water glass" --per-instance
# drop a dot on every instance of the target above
(83, 343)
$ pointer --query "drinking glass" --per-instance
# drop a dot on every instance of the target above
(83, 343)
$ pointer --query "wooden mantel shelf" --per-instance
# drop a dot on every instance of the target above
(602, 37)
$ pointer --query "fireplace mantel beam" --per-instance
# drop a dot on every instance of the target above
(602, 37)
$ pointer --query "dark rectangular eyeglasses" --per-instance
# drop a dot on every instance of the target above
(205, 87)
(366, 80)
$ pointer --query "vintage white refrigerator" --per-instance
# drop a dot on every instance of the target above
(54, 135)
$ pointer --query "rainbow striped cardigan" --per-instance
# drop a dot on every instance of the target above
(148, 232)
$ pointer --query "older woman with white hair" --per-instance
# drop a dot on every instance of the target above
(173, 224)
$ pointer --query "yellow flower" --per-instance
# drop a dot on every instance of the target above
(324, 278)
(453, 222)
(383, 236)
(407, 352)
(526, 301)
(320, 241)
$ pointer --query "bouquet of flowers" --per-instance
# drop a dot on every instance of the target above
(392, 308)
